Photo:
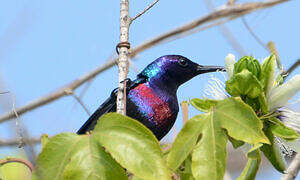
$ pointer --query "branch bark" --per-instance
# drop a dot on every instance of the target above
(226, 12)
(292, 68)
(123, 55)
(143, 12)
(16, 142)
(293, 169)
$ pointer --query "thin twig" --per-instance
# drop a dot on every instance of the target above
(272, 48)
(14, 142)
(79, 101)
(253, 34)
(136, 70)
(232, 11)
(21, 142)
(293, 169)
(228, 35)
(143, 12)
(185, 111)
(82, 93)
(232, 40)
(17, 160)
(230, 2)
(22, 133)
(291, 68)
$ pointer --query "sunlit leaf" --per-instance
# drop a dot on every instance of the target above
(268, 73)
(14, 170)
(244, 83)
(203, 105)
(272, 152)
(280, 130)
(240, 121)
(209, 156)
(132, 145)
(252, 165)
(70, 156)
(185, 141)
(44, 140)
(235, 143)
(229, 118)
(187, 173)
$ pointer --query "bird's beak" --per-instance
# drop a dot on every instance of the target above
(206, 69)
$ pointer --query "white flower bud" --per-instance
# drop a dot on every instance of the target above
(229, 63)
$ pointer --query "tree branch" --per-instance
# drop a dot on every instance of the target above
(293, 169)
(123, 60)
(254, 35)
(292, 68)
(227, 12)
(227, 34)
(16, 142)
(80, 102)
(143, 12)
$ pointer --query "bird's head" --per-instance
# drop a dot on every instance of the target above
(175, 70)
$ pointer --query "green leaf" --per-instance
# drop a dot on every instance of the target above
(240, 121)
(209, 156)
(280, 130)
(14, 170)
(70, 156)
(272, 152)
(203, 105)
(44, 140)
(136, 178)
(253, 153)
(252, 165)
(244, 83)
(248, 63)
(132, 145)
(187, 173)
(268, 73)
(235, 143)
(185, 141)
(263, 103)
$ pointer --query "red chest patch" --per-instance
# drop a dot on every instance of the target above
(150, 104)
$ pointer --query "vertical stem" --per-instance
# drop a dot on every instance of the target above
(123, 56)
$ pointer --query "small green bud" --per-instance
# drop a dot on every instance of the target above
(249, 63)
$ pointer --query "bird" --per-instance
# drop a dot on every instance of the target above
(152, 96)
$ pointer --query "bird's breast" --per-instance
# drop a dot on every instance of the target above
(151, 108)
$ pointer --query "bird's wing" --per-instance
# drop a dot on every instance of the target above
(108, 106)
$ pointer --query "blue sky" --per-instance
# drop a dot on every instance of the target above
(46, 44)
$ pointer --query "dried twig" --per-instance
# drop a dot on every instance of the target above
(293, 169)
(80, 102)
(272, 49)
(17, 160)
(230, 2)
(185, 111)
(227, 12)
(15, 142)
(143, 12)
(228, 35)
(292, 68)
(21, 131)
(254, 35)
(232, 40)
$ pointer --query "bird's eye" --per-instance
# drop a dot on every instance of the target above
(182, 62)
